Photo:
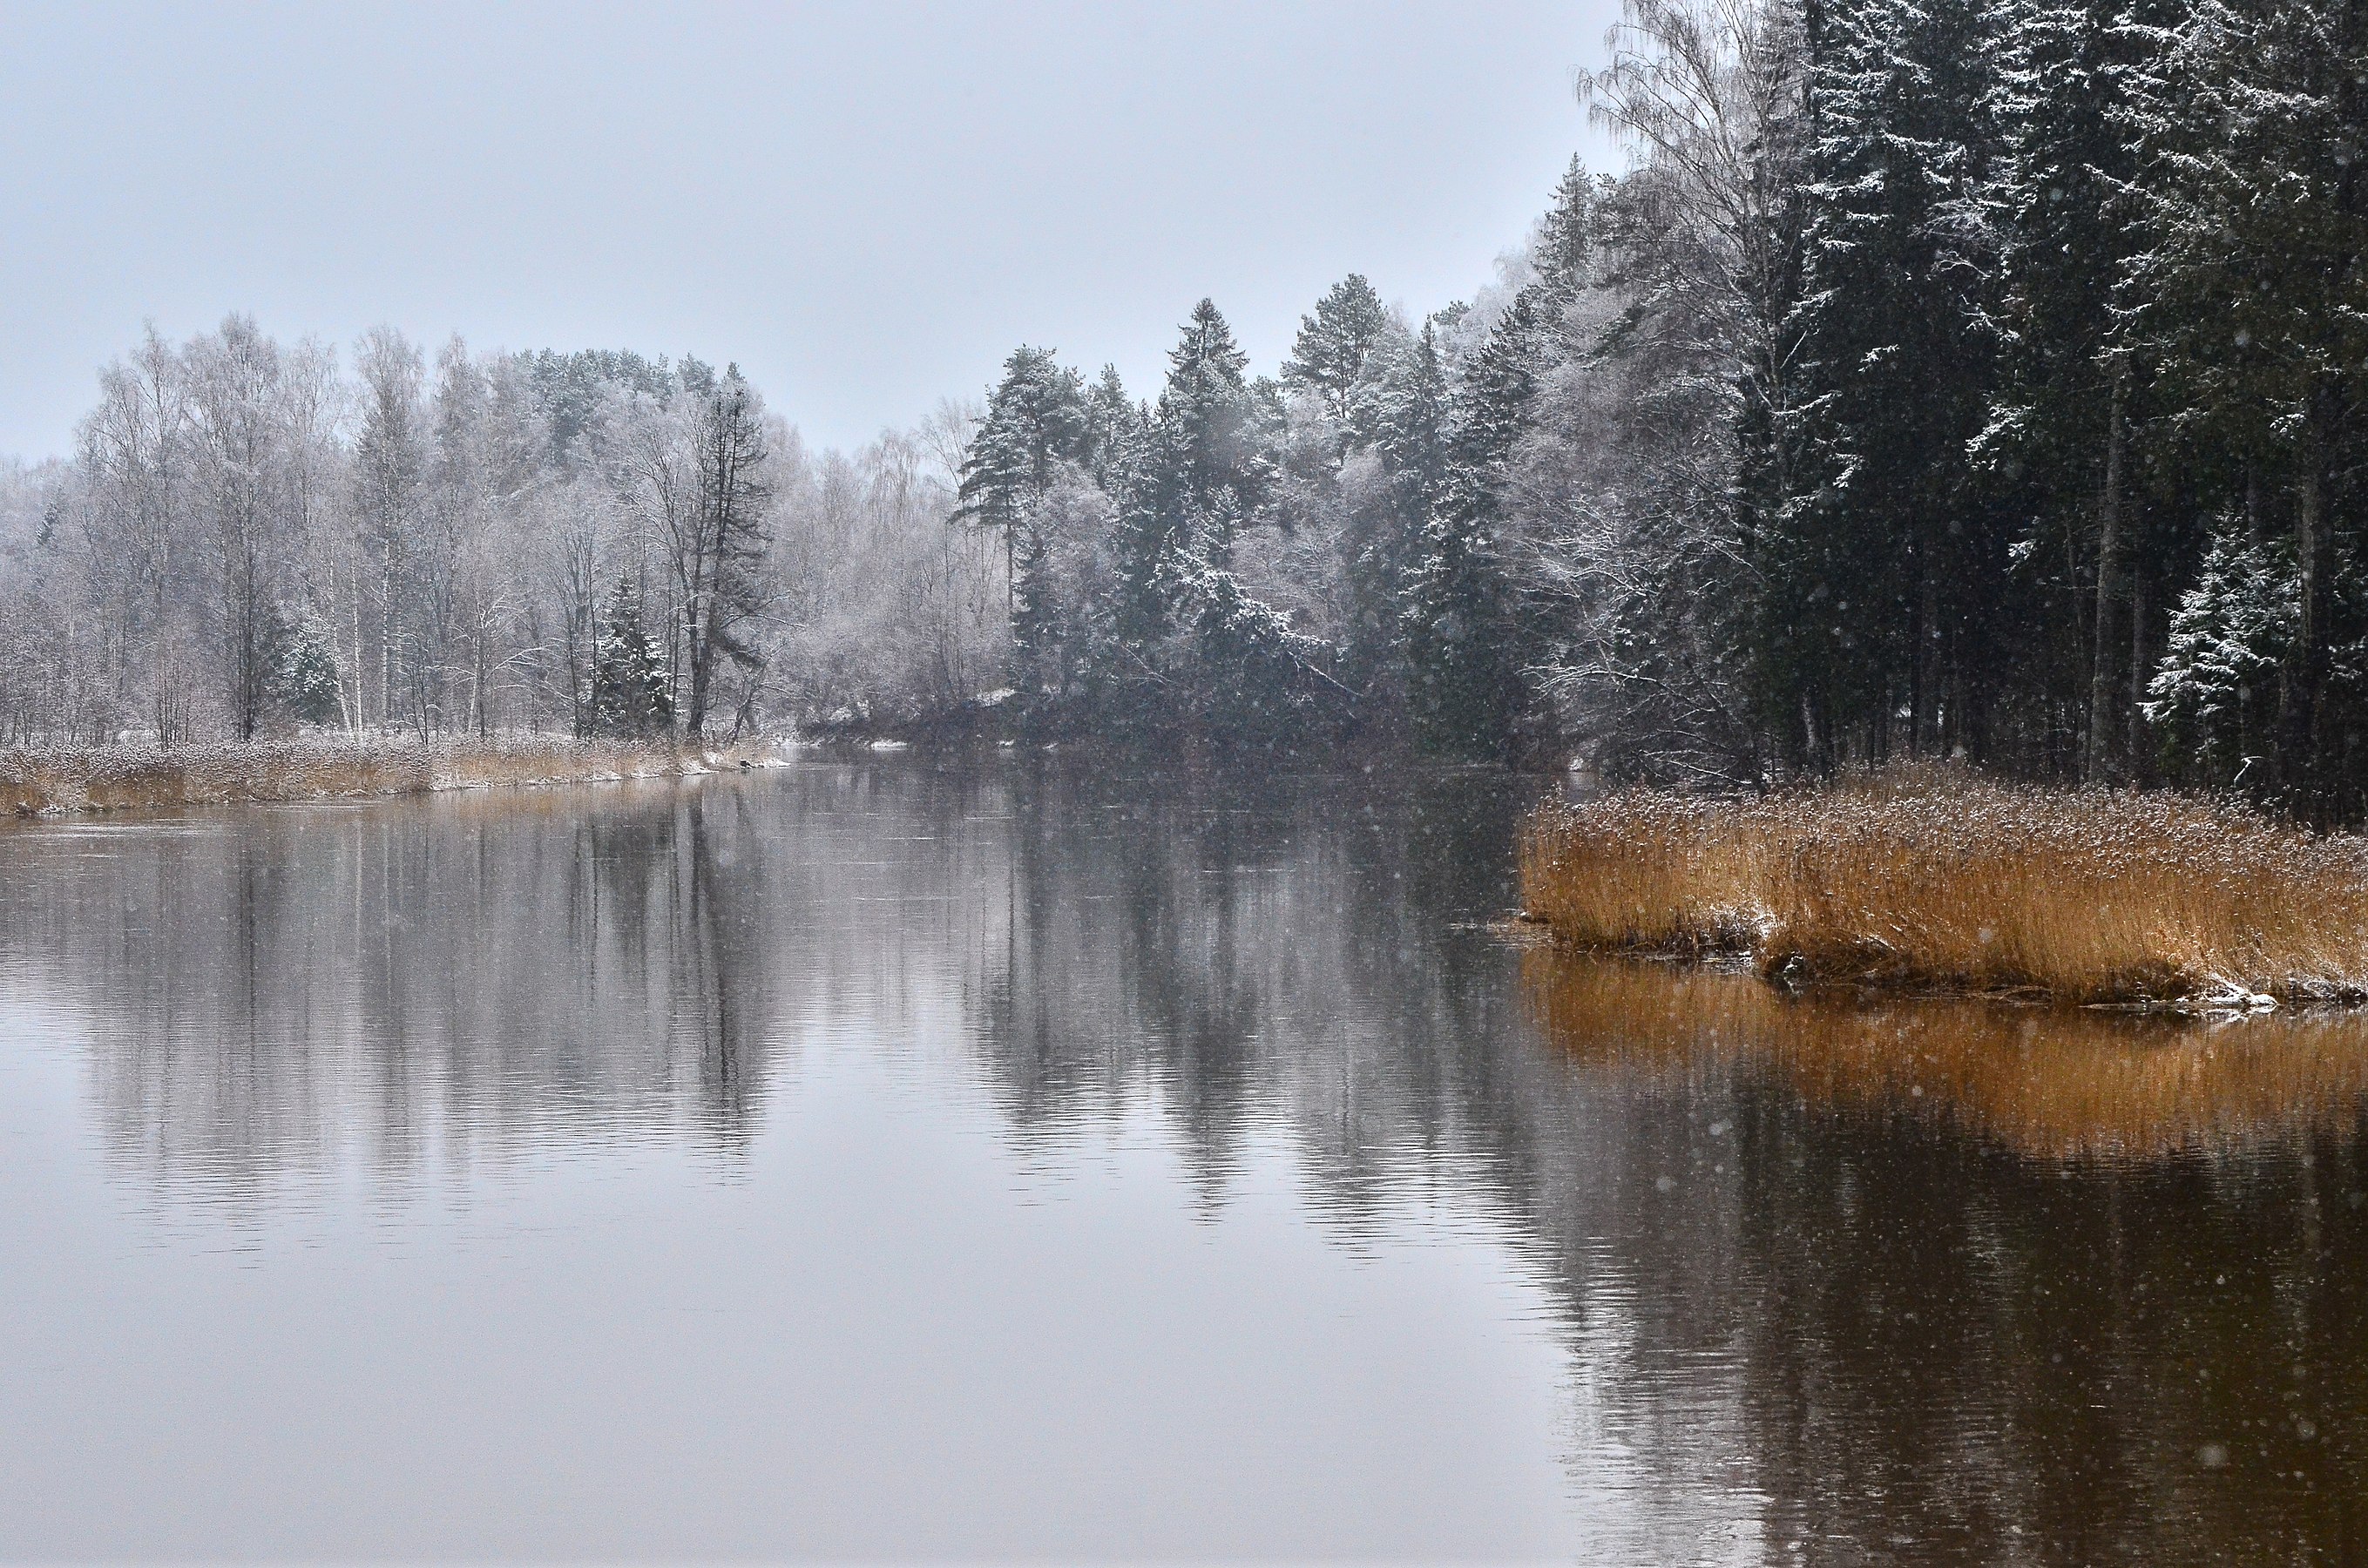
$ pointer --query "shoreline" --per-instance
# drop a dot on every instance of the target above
(53, 781)
(1946, 883)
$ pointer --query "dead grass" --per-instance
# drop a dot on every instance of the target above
(1944, 880)
(42, 781)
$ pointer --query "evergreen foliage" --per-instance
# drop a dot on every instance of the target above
(1876, 568)
(632, 694)
(1960, 380)
(1463, 655)
(306, 681)
(1967, 380)
(1329, 358)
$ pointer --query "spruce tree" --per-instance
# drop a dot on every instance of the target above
(1879, 579)
(306, 681)
(1201, 474)
(1409, 399)
(2252, 295)
(1036, 419)
(1208, 465)
(2214, 700)
(631, 696)
(1039, 418)
(2071, 393)
(1567, 235)
(1464, 670)
(1114, 427)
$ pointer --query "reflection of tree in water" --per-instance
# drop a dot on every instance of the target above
(2008, 1284)
(280, 991)
(1233, 946)
(1905, 1286)
(2154, 1362)
(672, 883)
(1971, 1324)
(2069, 1084)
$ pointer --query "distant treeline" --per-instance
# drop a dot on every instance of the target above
(1942, 380)
(251, 541)
(1939, 380)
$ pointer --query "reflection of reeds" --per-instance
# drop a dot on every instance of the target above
(2049, 1083)
(1942, 878)
(51, 779)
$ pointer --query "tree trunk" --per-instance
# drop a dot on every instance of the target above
(694, 722)
(386, 636)
(1918, 627)
(2141, 661)
(2109, 570)
(354, 676)
(2298, 724)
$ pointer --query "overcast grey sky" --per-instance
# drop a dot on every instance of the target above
(866, 206)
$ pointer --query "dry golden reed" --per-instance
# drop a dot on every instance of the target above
(1946, 880)
(39, 780)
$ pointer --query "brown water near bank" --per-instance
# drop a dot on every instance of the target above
(2006, 1284)
(2048, 1083)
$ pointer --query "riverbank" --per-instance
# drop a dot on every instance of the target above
(1948, 881)
(43, 780)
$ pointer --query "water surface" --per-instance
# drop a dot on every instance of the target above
(1013, 1160)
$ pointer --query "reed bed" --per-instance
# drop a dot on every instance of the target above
(1945, 880)
(46, 780)
(2047, 1084)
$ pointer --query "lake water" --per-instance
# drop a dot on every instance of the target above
(1020, 1160)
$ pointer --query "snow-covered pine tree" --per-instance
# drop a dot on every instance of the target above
(1038, 419)
(1114, 428)
(569, 389)
(1879, 581)
(1565, 238)
(632, 694)
(1186, 641)
(1330, 357)
(306, 680)
(2214, 698)
(1201, 474)
(1209, 464)
(2252, 294)
(2066, 100)
(1404, 395)
(1465, 673)
(1413, 404)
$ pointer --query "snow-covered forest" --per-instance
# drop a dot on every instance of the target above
(253, 536)
(1940, 381)
(1978, 380)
